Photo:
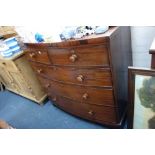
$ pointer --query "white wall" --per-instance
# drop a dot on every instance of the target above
(142, 37)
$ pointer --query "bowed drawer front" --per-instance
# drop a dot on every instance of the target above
(92, 112)
(80, 56)
(84, 76)
(93, 95)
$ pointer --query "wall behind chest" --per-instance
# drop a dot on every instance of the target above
(142, 37)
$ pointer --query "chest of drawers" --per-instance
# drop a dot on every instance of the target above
(86, 77)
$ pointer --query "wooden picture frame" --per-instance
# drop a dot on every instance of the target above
(141, 105)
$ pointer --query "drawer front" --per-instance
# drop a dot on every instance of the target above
(81, 56)
(99, 114)
(8, 65)
(83, 76)
(91, 95)
(38, 55)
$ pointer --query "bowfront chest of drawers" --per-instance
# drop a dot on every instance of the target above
(86, 77)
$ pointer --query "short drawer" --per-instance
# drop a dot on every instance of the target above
(80, 56)
(8, 65)
(84, 94)
(38, 55)
(83, 76)
(95, 113)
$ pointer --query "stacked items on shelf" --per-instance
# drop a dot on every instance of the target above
(9, 47)
(9, 41)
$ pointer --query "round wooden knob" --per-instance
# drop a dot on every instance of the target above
(32, 55)
(39, 71)
(80, 78)
(48, 85)
(39, 52)
(91, 112)
(85, 96)
(54, 98)
(73, 57)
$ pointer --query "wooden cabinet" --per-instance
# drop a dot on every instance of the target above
(86, 77)
(18, 77)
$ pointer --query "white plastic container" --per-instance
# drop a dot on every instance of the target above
(7, 53)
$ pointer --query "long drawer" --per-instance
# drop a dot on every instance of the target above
(96, 55)
(99, 114)
(38, 55)
(84, 76)
(91, 95)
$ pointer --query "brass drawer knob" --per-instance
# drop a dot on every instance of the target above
(32, 55)
(73, 58)
(48, 85)
(85, 96)
(91, 112)
(54, 98)
(39, 71)
(80, 78)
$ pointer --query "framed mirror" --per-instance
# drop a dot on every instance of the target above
(141, 106)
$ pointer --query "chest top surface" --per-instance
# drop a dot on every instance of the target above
(92, 39)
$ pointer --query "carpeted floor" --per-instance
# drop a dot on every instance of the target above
(22, 113)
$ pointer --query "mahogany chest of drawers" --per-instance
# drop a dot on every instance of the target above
(86, 77)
